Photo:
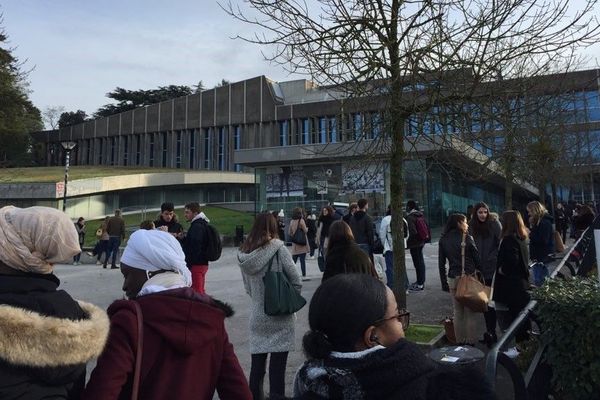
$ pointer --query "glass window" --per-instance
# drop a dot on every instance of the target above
(376, 124)
(178, 150)
(237, 137)
(113, 149)
(151, 150)
(305, 126)
(221, 152)
(357, 123)
(207, 148)
(322, 130)
(192, 156)
(333, 137)
(138, 149)
(284, 131)
(125, 150)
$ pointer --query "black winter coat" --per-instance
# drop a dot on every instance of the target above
(346, 257)
(195, 242)
(362, 228)
(512, 274)
(414, 240)
(43, 334)
(172, 226)
(449, 249)
(541, 239)
(400, 371)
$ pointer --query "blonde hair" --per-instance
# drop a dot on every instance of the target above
(536, 211)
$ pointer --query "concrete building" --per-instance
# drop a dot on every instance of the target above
(296, 138)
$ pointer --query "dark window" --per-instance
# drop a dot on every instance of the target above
(207, 148)
(164, 149)
(138, 150)
(192, 148)
(237, 137)
(221, 154)
(113, 149)
(284, 131)
(151, 161)
(125, 150)
(178, 150)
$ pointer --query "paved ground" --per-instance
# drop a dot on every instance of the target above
(91, 283)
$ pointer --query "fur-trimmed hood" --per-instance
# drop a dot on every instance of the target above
(28, 338)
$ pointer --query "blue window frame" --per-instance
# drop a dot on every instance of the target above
(322, 130)
(305, 126)
(284, 131)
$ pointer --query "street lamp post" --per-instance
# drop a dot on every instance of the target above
(68, 146)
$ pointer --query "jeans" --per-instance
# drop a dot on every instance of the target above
(258, 367)
(302, 258)
(419, 263)
(113, 248)
(389, 270)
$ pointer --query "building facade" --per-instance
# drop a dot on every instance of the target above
(309, 147)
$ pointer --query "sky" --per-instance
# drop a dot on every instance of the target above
(80, 50)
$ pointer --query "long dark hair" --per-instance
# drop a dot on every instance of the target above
(263, 231)
(339, 233)
(453, 222)
(512, 224)
(336, 325)
(477, 227)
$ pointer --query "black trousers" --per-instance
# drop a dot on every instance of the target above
(277, 365)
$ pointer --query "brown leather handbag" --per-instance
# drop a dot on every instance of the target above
(471, 291)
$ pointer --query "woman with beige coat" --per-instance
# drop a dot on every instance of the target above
(299, 250)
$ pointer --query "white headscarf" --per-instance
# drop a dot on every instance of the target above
(33, 239)
(156, 250)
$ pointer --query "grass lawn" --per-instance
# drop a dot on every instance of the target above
(225, 220)
(422, 333)
(57, 174)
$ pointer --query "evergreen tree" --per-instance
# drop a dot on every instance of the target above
(18, 115)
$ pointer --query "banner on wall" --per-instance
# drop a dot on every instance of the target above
(367, 178)
(284, 182)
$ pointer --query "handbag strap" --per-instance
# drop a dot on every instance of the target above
(138, 356)
(463, 245)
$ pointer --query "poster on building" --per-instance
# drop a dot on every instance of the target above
(284, 182)
(367, 178)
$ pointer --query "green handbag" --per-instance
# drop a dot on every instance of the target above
(280, 296)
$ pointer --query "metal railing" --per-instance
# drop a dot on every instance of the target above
(535, 381)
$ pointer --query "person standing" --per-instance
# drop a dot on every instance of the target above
(183, 331)
(311, 224)
(272, 335)
(417, 227)
(486, 230)
(167, 221)
(362, 227)
(102, 242)
(562, 221)
(299, 250)
(541, 241)
(343, 254)
(195, 243)
(80, 228)
(511, 286)
(455, 236)
(324, 222)
(385, 232)
(115, 227)
(46, 337)
(352, 208)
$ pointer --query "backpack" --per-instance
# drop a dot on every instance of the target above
(422, 229)
(213, 243)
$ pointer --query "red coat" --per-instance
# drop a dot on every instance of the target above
(186, 353)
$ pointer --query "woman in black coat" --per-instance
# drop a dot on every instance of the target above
(512, 272)
(343, 254)
(359, 352)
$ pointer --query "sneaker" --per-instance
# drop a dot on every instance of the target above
(416, 288)
(512, 352)
(76, 263)
(98, 262)
(305, 278)
(89, 253)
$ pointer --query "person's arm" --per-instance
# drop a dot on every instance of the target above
(117, 361)
(442, 268)
(289, 268)
(383, 229)
(231, 383)
(303, 226)
(472, 251)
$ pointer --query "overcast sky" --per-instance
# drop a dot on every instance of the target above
(80, 50)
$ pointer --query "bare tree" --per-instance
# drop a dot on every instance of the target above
(51, 116)
(415, 55)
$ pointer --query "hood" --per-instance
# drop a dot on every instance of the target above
(416, 213)
(358, 215)
(28, 338)
(187, 321)
(377, 373)
(257, 261)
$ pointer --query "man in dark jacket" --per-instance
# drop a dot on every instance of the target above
(415, 244)
(362, 227)
(194, 245)
(115, 227)
(167, 220)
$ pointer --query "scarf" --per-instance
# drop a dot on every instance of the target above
(156, 250)
(33, 239)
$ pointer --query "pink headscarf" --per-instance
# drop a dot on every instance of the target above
(33, 239)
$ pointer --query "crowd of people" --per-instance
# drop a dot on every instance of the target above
(154, 344)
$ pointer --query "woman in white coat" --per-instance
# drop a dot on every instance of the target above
(268, 334)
